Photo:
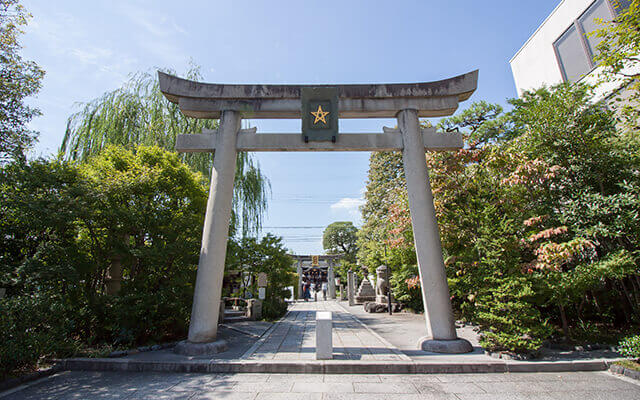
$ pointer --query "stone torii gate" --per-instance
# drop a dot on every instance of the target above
(307, 261)
(406, 102)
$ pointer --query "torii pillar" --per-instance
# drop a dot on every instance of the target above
(441, 332)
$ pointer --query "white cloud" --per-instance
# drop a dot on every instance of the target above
(92, 55)
(348, 208)
(348, 204)
(155, 23)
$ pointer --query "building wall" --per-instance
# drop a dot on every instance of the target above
(536, 64)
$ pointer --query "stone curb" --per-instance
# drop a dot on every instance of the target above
(325, 367)
(619, 369)
(13, 382)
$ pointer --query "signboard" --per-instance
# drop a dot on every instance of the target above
(319, 114)
(262, 279)
(262, 293)
(315, 260)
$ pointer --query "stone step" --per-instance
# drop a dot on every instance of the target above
(239, 318)
(233, 313)
(326, 367)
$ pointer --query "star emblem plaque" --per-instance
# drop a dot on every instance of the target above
(319, 114)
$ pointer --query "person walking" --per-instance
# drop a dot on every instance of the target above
(324, 291)
(305, 291)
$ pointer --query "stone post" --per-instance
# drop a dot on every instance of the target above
(351, 288)
(331, 277)
(254, 309)
(324, 335)
(299, 270)
(441, 332)
(206, 299)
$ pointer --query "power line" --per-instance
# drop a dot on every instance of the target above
(293, 227)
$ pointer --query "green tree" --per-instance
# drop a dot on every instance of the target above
(63, 224)
(18, 79)
(340, 238)
(138, 114)
(385, 186)
(267, 255)
(618, 52)
(537, 216)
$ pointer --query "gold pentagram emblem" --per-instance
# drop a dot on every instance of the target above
(320, 115)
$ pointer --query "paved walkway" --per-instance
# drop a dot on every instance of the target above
(294, 337)
(130, 386)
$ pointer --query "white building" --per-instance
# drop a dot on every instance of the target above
(560, 49)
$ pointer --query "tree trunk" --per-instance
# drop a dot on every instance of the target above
(595, 302)
(565, 324)
(625, 306)
(628, 296)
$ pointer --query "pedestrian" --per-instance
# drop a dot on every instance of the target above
(324, 290)
(305, 291)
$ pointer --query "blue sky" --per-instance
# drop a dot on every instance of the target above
(89, 47)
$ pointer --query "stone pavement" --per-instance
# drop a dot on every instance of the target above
(119, 385)
(293, 338)
(363, 343)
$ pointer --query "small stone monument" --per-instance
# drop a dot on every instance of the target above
(365, 292)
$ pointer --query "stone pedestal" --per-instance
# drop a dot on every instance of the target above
(382, 299)
(187, 348)
(365, 292)
(441, 332)
(455, 346)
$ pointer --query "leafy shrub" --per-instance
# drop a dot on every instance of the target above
(144, 316)
(509, 321)
(630, 346)
(34, 328)
(273, 308)
(404, 290)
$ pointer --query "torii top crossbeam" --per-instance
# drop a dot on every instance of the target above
(207, 100)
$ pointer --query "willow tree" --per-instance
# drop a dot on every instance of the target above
(138, 114)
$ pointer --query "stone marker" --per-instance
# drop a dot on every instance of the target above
(351, 288)
(254, 309)
(324, 336)
(331, 281)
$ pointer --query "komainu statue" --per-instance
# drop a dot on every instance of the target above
(382, 285)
